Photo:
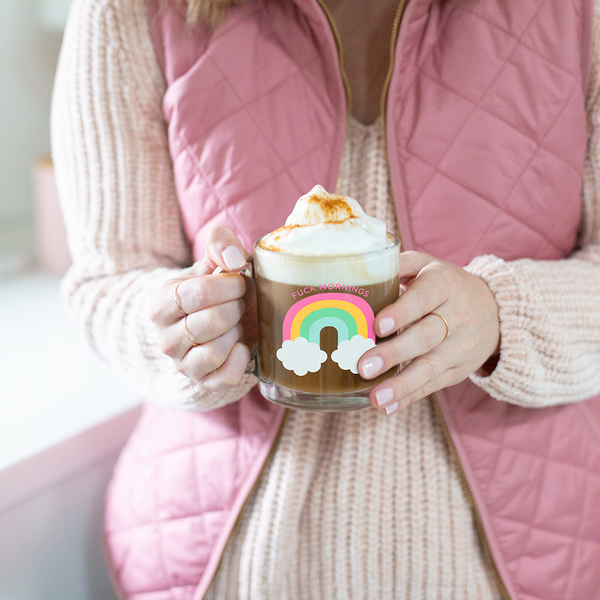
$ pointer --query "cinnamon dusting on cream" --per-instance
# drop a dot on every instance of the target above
(317, 221)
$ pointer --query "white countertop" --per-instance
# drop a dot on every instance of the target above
(52, 387)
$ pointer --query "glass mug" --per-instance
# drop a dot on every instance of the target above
(315, 318)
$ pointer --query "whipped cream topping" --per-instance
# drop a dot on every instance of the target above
(328, 224)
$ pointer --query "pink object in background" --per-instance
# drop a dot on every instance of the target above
(51, 237)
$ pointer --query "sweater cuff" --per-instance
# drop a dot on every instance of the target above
(202, 400)
(510, 381)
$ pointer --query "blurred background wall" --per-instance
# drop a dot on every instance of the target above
(64, 414)
(30, 38)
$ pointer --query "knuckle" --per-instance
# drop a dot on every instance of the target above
(427, 334)
(429, 367)
(459, 373)
(468, 346)
(156, 309)
(219, 233)
(429, 388)
(216, 323)
(202, 293)
(229, 379)
(396, 355)
(440, 267)
(167, 345)
(420, 297)
(215, 356)
(443, 271)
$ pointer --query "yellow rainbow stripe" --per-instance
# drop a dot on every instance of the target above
(357, 314)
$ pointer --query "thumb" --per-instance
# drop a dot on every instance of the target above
(224, 249)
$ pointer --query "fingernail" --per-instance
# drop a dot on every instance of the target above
(386, 325)
(383, 395)
(371, 366)
(233, 258)
(391, 408)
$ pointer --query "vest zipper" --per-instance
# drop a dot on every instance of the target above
(340, 50)
(255, 485)
(393, 42)
(469, 495)
(386, 87)
(345, 81)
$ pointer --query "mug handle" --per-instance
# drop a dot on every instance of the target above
(247, 271)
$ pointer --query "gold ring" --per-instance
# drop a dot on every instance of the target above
(445, 323)
(187, 333)
(178, 300)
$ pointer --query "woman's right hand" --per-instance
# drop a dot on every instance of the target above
(206, 323)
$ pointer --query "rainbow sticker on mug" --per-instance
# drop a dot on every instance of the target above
(352, 318)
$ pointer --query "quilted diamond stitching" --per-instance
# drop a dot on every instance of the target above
(572, 540)
(507, 123)
(246, 104)
(477, 106)
(166, 576)
(284, 169)
(489, 203)
(299, 70)
(150, 524)
(319, 144)
(521, 42)
(427, 56)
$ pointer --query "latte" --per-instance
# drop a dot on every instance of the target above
(321, 279)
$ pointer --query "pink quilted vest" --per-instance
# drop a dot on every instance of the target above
(256, 116)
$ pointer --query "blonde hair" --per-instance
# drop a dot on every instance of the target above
(210, 11)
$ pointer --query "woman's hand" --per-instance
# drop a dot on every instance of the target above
(434, 351)
(206, 322)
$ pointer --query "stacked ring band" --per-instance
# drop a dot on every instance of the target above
(178, 299)
(445, 323)
(187, 333)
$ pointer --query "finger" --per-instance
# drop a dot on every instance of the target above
(201, 360)
(411, 262)
(425, 294)
(176, 298)
(224, 249)
(230, 373)
(414, 341)
(209, 324)
(422, 377)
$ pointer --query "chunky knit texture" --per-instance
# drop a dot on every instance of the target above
(313, 532)
(384, 515)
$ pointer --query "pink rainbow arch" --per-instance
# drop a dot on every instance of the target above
(360, 304)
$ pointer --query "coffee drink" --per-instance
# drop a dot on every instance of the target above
(327, 319)
(320, 281)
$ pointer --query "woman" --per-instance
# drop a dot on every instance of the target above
(164, 133)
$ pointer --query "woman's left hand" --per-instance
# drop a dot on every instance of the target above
(435, 351)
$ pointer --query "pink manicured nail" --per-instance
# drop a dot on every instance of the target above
(383, 395)
(371, 366)
(386, 326)
(391, 408)
(233, 258)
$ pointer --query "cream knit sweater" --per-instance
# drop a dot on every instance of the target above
(353, 505)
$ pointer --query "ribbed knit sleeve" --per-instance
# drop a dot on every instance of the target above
(550, 310)
(115, 180)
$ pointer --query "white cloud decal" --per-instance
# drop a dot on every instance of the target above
(349, 351)
(301, 356)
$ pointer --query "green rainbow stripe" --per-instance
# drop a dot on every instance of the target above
(343, 322)
(349, 314)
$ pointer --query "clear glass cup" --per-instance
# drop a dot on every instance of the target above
(316, 318)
